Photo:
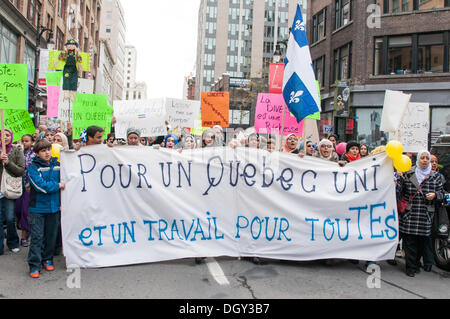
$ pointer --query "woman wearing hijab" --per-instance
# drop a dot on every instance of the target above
(209, 138)
(291, 144)
(13, 161)
(421, 187)
(61, 139)
(190, 143)
(326, 151)
(171, 141)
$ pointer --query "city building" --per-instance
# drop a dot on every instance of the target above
(133, 90)
(113, 29)
(237, 40)
(67, 19)
(371, 46)
(105, 82)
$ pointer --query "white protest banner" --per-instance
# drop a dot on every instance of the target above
(394, 107)
(415, 127)
(182, 113)
(130, 205)
(85, 86)
(146, 115)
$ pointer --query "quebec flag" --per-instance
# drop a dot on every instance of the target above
(299, 82)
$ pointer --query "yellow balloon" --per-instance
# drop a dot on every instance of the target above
(56, 151)
(394, 149)
(402, 163)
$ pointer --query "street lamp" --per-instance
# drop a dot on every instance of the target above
(50, 44)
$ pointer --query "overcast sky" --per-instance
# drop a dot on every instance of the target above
(164, 33)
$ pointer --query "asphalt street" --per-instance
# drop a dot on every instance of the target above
(220, 278)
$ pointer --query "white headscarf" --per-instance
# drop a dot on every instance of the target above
(421, 173)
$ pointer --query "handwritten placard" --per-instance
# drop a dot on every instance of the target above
(269, 116)
(85, 86)
(415, 127)
(148, 116)
(52, 100)
(19, 122)
(215, 109)
(13, 86)
(182, 113)
(91, 109)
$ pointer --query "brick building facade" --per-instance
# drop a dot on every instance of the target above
(374, 45)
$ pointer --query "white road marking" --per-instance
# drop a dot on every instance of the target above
(216, 271)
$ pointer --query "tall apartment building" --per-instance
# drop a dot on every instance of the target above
(239, 37)
(133, 90)
(374, 45)
(68, 19)
(113, 30)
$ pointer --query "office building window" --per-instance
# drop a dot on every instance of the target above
(29, 59)
(416, 53)
(343, 15)
(342, 68)
(319, 70)
(396, 6)
(319, 26)
(8, 45)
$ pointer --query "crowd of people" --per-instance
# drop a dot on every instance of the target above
(37, 212)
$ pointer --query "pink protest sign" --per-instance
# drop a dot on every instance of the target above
(269, 116)
(52, 100)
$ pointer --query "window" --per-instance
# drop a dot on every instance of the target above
(319, 70)
(29, 58)
(400, 55)
(415, 53)
(431, 53)
(319, 26)
(343, 13)
(342, 69)
(396, 6)
(8, 45)
(368, 123)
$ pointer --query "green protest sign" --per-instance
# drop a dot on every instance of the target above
(91, 109)
(19, 122)
(53, 78)
(13, 86)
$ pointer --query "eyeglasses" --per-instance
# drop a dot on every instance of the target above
(326, 146)
(292, 139)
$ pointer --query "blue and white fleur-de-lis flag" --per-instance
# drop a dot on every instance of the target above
(299, 82)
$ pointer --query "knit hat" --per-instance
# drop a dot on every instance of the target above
(133, 130)
(351, 144)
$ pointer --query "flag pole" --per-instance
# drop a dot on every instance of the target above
(282, 127)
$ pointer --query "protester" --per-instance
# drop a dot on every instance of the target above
(143, 141)
(326, 151)
(220, 137)
(190, 143)
(352, 152)
(421, 187)
(44, 176)
(364, 150)
(13, 162)
(133, 137)
(271, 145)
(253, 140)
(171, 141)
(290, 144)
(94, 135)
(61, 139)
(21, 210)
(334, 138)
(209, 138)
(110, 139)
